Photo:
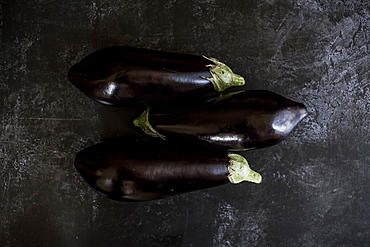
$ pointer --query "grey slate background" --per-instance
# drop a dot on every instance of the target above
(316, 187)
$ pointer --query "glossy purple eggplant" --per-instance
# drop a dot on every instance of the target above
(123, 75)
(138, 172)
(241, 121)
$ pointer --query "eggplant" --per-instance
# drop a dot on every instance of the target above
(238, 122)
(122, 76)
(140, 172)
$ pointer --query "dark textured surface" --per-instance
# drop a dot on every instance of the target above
(315, 190)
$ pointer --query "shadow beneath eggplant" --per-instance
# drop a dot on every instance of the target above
(117, 122)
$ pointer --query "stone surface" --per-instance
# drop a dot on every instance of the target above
(315, 190)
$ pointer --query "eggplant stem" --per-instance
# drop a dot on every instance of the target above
(240, 170)
(222, 75)
(143, 122)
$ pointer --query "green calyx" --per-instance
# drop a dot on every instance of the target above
(222, 76)
(143, 122)
(240, 171)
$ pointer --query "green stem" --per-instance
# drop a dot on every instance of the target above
(240, 171)
(143, 122)
(222, 76)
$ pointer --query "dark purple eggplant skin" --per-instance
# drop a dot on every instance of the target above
(243, 121)
(139, 172)
(126, 76)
